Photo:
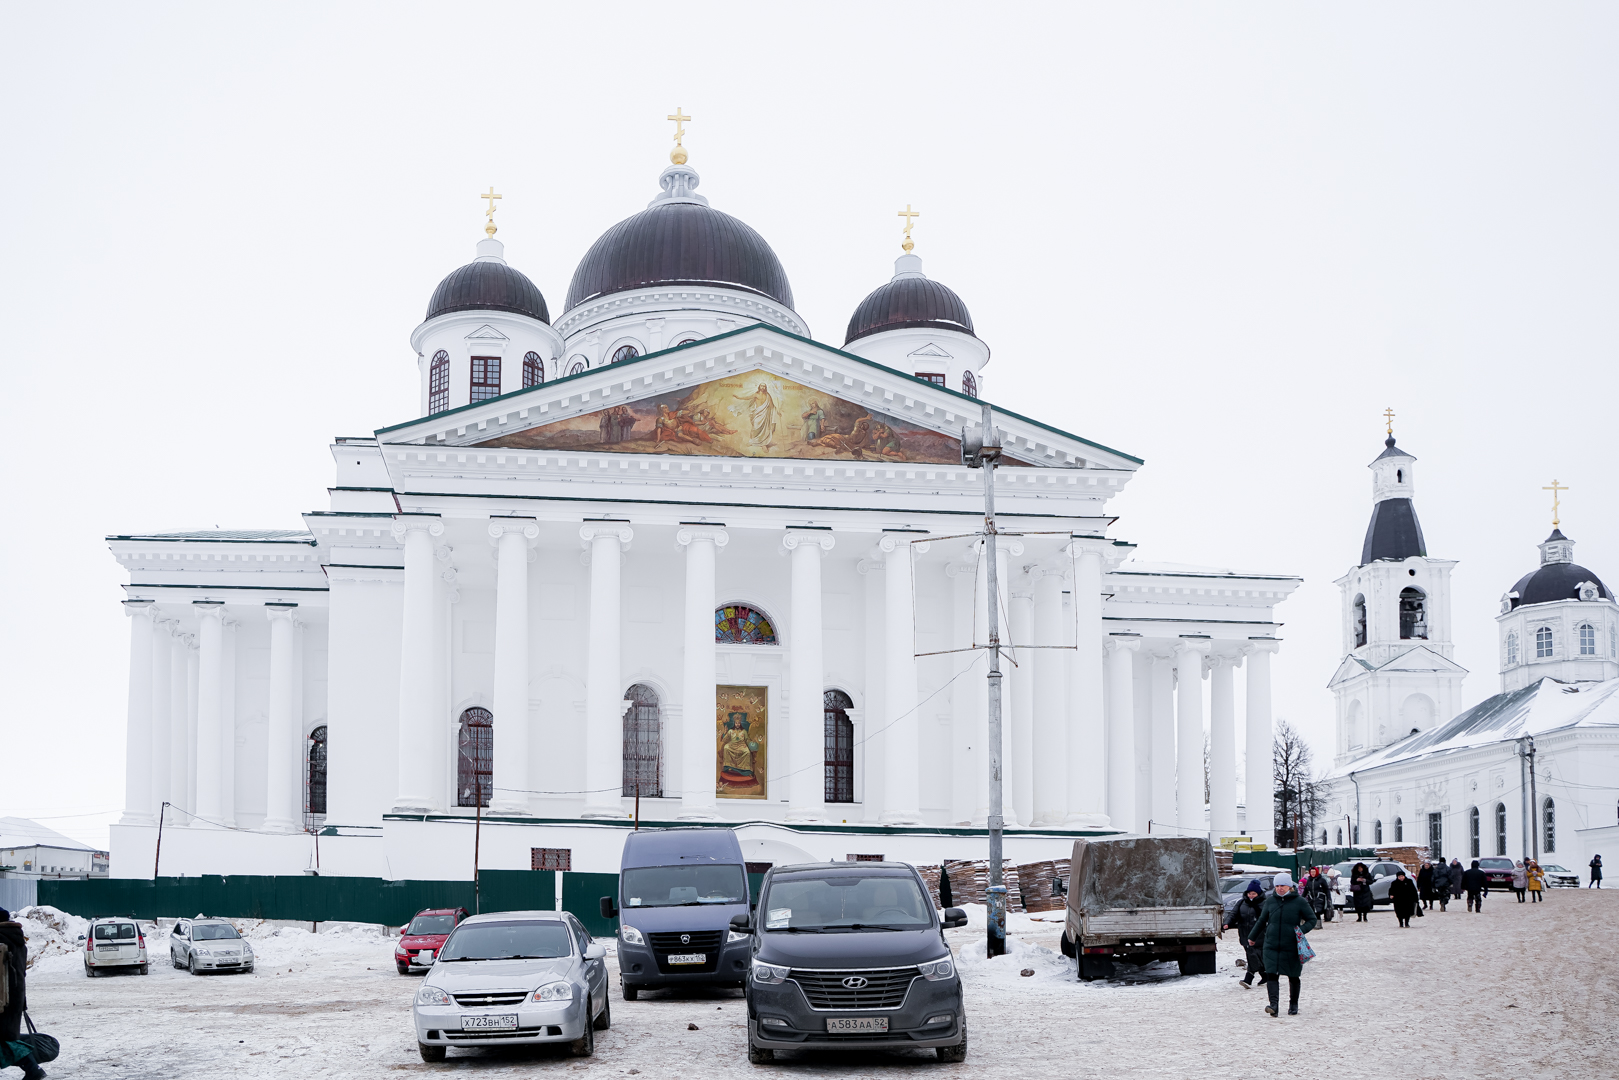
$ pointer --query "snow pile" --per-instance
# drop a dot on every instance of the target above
(52, 934)
(1049, 965)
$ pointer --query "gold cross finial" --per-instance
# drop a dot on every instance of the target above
(678, 154)
(1556, 489)
(489, 224)
(1388, 418)
(908, 214)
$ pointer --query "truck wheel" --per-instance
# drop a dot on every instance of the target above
(1067, 946)
(957, 1052)
(431, 1054)
(1091, 969)
(1199, 963)
(631, 992)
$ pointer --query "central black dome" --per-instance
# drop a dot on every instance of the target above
(680, 243)
(910, 300)
(488, 285)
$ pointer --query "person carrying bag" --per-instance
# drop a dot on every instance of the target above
(23, 1051)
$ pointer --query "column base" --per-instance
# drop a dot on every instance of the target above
(401, 808)
(511, 809)
(139, 819)
(1088, 821)
(900, 817)
(698, 813)
(282, 826)
(603, 813)
(808, 813)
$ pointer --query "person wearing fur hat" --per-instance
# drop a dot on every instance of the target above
(1243, 916)
(13, 1052)
(1279, 917)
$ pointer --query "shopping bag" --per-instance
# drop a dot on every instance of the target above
(1306, 950)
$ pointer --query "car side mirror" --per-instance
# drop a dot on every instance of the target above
(81, 937)
(954, 917)
(595, 951)
(742, 924)
(609, 909)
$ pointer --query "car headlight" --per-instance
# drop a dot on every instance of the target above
(432, 995)
(736, 935)
(769, 973)
(202, 952)
(630, 934)
(555, 991)
(936, 970)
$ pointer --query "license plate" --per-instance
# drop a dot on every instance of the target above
(867, 1025)
(688, 958)
(425, 956)
(506, 1022)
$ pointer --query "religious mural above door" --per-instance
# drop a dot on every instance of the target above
(741, 726)
(755, 414)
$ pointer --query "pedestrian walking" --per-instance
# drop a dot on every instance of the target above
(1456, 873)
(1596, 872)
(1360, 888)
(1403, 891)
(1477, 885)
(1282, 919)
(1520, 879)
(1537, 881)
(1317, 891)
(15, 973)
(1425, 884)
(1441, 883)
(1243, 917)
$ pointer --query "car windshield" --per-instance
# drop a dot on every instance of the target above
(431, 924)
(508, 941)
(1553, 868)
(846, 902)
(1495, 864)
(1231, 885)
(116, 932)
(213, 932)
(677, 886)
(1344, 868)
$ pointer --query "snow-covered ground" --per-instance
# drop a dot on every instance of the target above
(1521, 990)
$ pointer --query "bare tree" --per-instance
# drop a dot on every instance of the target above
(1300, 796)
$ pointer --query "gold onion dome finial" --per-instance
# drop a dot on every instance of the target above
(489, 222)
(908, 214)
(678, 154)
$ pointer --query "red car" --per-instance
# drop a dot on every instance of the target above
(422, 937)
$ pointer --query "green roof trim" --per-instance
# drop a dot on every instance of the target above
(852, 828)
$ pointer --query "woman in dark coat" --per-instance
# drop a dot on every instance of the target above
(1425, 884)
(1279, 917)
(1403, 892)
(1360, 887)
(1456, 873)
(1596, 872)
(1243, 917)
(16, 974)
(1441, 883)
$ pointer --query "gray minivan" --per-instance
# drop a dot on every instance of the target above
(678, 890)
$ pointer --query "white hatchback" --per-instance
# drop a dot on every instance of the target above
(113, 943)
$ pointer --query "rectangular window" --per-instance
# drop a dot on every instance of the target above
(550, 858)
(936, 380)
(1472, 830)
(1500, 828)
(485, 378)
(1436, 836)
(1588, 641)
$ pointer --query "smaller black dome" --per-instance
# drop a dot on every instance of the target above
(1556, 581)
(1393, 533)
(488, 285)
(909, 300)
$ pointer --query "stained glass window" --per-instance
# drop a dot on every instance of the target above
(738, 624)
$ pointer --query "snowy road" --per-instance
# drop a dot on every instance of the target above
(1520, 990)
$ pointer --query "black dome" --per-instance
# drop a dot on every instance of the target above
(488, 285)
(1556, 581)
(1393, 533)
(909, 301)
(680, 243)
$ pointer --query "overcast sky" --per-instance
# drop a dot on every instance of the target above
(1220, 238)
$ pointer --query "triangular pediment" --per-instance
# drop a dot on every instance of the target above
(1422, 659)
(1348, 669)
(930, 349)
(486, 333)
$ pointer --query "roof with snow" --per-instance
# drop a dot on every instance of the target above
(17, 832)
(228, 536)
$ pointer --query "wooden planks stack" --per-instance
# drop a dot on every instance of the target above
(1407, 856)
(1030, 887)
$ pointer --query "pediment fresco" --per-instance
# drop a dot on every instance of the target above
(752, 414)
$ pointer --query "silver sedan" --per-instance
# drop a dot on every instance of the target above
(514, 978)
(200, 945)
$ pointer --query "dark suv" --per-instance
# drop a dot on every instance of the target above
(1497, 872)
(851, 956)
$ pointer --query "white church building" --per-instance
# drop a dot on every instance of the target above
(1530, 772)
(668, 558)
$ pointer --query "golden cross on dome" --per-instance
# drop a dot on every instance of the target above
(1555, 489)
(908, 214)
(489, 226)
(1388, 417)
(678, 154)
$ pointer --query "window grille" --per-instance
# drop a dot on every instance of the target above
(1512, 647)
(550, 858)
(936, 380)
(1436, 835)
(1472, 833)
(1543, 643)
(643, 743)
(438, 383)
(839, 747)
(969, 384)
(1399, 830)
(1588, 640)
(1377, 831)
(485, 378)
(625, 352)
(1549, 818)
(1500, 828)
(1413, 614)
(739, 624)
(315, 779)
(475, 757)
(533, 369)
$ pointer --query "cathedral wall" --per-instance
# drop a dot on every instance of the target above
(252, 694)
(362, 698)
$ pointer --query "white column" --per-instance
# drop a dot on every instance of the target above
(1020, 766)
(512, 536)
(604, 693)
(1050, 761)
(416, 782)
(697, 798)
(1121, 732)
(179, 730)
(1087, 747)
(210, 704)
(806, 712)
(1189, 654)
(190, 800)
(902, 779)
(1011, 691)
(969, 757)
(870, 763)
(138, 723)
(1162, 746)
(227, 725)
(1222, 746)
(1259, 797)
(278, 810)
(162, 709)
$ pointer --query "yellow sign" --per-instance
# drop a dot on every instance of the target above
(741, 727)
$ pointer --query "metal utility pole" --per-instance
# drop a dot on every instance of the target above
(984, 452)
(1523, 794)
(1534, 803)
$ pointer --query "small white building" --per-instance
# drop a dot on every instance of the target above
(30, 850)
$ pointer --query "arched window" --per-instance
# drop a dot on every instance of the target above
(1413, 613)
(739, 624)
(1548, 817)
(1588, 640)
(839, 747)
(475, 758)
(1399, 476)
(1377, 831)
(1359, 614)
(1354, 833)
(969, 384)
(1472, 833)
(643, 743)
(625, 352)
(577, 364)
(1323, 838)
(1500, 828)
(1543, 643)
(315, 777)
(1399, 830)
(687, 340)
(1340, 835)
(533, 369)
(1512, 647)
(438, 383)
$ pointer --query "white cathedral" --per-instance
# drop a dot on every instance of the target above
(1530, 772)
(667, 558)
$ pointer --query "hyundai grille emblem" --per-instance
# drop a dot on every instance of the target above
(685, 939)
(854, 982)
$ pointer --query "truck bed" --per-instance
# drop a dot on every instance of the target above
(1129, 924)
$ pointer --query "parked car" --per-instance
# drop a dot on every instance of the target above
(851, 956)
(678, 890)
(203, 944)
(1559, 877)
(1232, 888)
(1382, 878)
(113, 944)
(1497, 872)
(422, 938)
(514, 978)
